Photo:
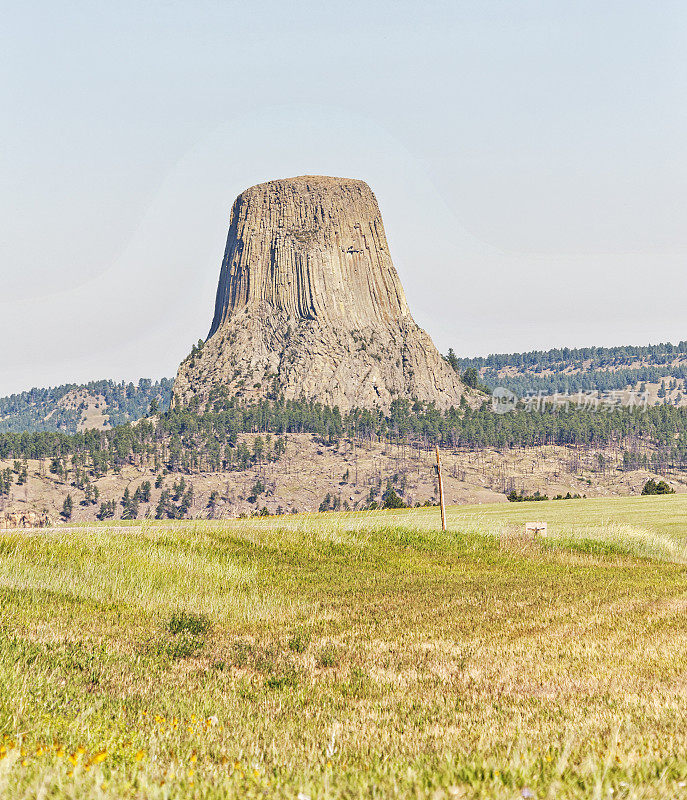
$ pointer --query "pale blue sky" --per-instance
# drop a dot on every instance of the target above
(529, 158)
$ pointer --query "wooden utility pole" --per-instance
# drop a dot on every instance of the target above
(441, 490)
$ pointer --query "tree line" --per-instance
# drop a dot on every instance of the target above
(662, 353)
(206, 435)
(588, 381)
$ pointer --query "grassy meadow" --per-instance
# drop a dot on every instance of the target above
(350, 655)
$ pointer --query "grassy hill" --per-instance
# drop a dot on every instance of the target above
(349, 655)
(659, 369)
(77, 407)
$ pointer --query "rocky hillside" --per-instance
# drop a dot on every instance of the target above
(76, 407)
(300, 472)
(309, 305)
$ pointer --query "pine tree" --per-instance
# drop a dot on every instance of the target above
(131, 510)
(470, 377)
(163, 506)
(452, 359)
(67, 508)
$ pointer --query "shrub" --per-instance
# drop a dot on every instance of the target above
(299, 642)
(288, 678)
(184, 644)
(358, 684)
(514, 497)
(185, 635)
(187, 621)
(243, 654)
(654, 487)
(391, 499)
(328, 656)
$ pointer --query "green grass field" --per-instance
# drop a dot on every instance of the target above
(352, 655)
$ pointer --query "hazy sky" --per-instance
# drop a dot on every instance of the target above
(529, 158)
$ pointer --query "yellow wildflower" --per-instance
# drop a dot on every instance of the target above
(73, 758)
(194, 757)
(140, 755)
(99, 757)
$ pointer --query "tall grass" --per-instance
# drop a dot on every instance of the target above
(144, 569)
(349, 655)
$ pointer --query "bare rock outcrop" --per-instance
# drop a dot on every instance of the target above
(309, 304)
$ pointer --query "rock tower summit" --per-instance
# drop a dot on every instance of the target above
(309, 304)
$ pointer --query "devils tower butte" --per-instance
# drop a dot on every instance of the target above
(309, 304)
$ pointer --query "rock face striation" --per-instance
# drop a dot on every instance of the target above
(309, 305)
